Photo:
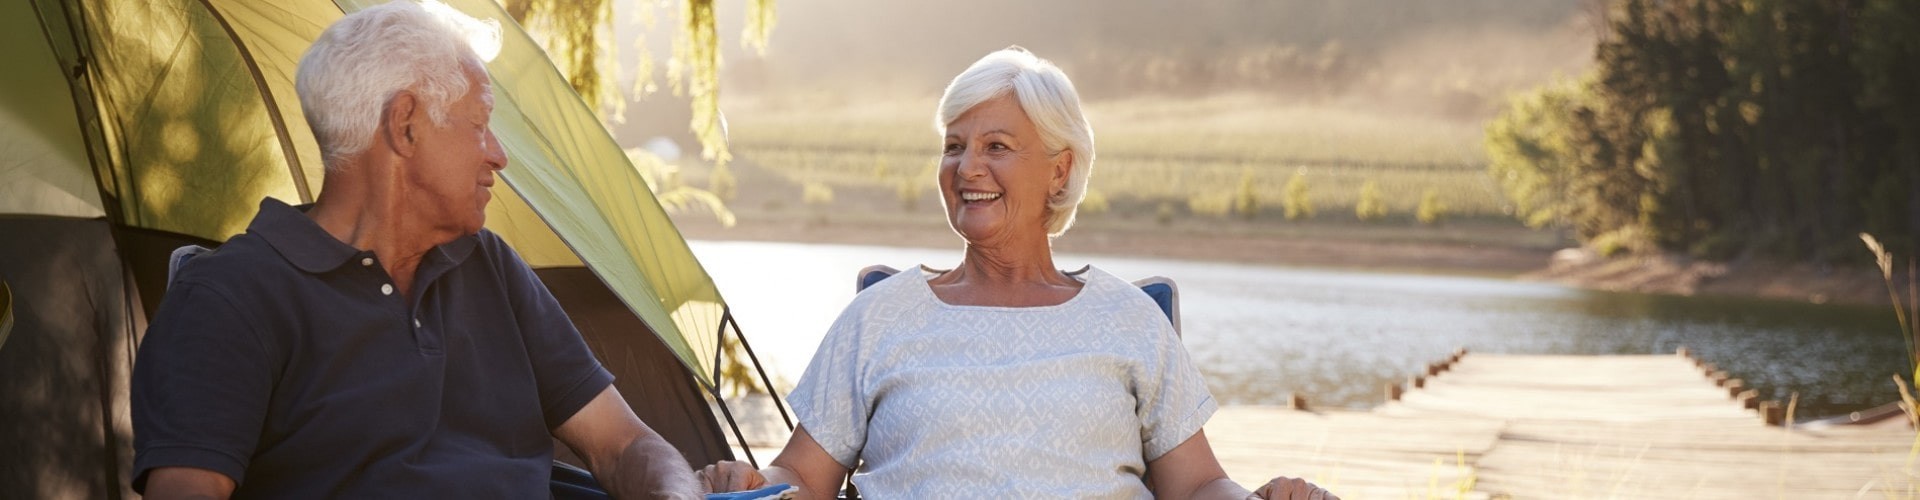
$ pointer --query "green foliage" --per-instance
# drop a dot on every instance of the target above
(1718, 127)
(672, 192)
(1246, 202)
(1431, 211)
(1529, 153)
(1094, 203)
(1296, 203)
(1210, 204)
(1164, 214)
(1902, 310)
(816, 193)
(722, 183)
(577, 37)
(1372, 205)
(908, 192)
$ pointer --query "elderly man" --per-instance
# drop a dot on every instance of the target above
(381, 343)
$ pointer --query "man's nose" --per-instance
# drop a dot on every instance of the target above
(496, 153)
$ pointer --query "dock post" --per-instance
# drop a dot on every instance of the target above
(1734, 386)
(1394, 391)
(1416, 381)
(1296, 402)
(1773, 413)
(1749, 399)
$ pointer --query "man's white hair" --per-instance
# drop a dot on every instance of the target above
(1048, 98)
(357, 65)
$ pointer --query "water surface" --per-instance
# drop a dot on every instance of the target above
(1261, 333)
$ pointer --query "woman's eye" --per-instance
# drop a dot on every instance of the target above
(997, 147)
(951, 149)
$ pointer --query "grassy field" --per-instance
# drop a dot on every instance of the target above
(1188, 156)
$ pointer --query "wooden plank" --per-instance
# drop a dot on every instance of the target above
(1516, 426)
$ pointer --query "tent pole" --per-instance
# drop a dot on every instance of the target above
(273, 105)
(715, 391)
(727, 317)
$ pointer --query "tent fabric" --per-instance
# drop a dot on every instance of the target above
(64, 371)
(176, 99)
(128, 129)
(42, 155)
(570, 170)
(670, 401)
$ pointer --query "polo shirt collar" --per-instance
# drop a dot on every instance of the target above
(310, 248)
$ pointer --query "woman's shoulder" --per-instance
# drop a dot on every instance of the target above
(904, 288)
(1108, 289)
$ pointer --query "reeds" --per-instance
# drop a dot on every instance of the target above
(1902, 310)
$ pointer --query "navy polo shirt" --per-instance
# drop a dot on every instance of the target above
(287, 361)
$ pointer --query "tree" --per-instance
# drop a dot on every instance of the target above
(1531, 156)
(1372, 205)
(1297, 205)
(1728, 127)
(1431, 211)
(575, 34)
(1246, 201)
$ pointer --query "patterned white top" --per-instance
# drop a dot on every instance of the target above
(939, 400)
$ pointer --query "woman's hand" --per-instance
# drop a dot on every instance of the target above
(729, 475)
(1286, 488)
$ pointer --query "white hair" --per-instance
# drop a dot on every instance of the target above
(1048, 98)
(357, 65)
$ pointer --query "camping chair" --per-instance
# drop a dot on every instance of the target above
(180, 257)
(1159, 288)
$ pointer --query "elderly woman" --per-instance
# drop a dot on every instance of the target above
(1004, 377)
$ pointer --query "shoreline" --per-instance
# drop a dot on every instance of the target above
(1462, 250)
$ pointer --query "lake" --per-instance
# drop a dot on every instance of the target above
(1336, 337)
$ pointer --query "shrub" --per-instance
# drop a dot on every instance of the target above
(1371, 205)
(1296, 204)
(1094, 203)
(1431, 210)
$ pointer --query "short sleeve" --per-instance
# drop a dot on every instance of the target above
(831, 400)
(567, 374)
(201, 386)
(1173, 397)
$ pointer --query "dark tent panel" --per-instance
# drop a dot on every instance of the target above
(64, 370)
(653, 381)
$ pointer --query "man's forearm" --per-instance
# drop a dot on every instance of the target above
(649, 467)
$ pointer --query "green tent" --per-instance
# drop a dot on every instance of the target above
(130, 128)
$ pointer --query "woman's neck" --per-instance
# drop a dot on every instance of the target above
(1022, 276)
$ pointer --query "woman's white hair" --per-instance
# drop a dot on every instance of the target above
(1048, 98)
(360, 62)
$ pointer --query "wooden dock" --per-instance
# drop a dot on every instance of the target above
(1509, 426)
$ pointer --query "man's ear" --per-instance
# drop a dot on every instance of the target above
(397, 121)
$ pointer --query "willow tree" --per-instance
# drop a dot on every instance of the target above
(577, 36)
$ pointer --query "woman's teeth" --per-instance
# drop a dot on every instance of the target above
(979, 196)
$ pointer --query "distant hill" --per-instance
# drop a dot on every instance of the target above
(1321, 49)
(1452, 59)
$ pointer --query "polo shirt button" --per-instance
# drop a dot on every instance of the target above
(386, 289)
(366, 261)
(416, 323)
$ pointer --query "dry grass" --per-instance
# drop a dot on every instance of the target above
(1189, 152)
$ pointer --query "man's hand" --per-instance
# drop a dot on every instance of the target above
(1286, 488)
(626, 456)
(729, 475)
